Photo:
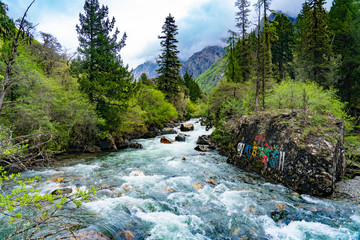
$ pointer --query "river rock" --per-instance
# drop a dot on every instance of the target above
(186, 127)
(290, 149)
(90, 235)
(203, 140)
(64, 191)
(168, 131)
(180, 137)
(203, 148)
(166, 140)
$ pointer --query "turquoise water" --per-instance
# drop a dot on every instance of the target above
(166, 193)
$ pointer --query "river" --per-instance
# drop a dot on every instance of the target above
(171, 191)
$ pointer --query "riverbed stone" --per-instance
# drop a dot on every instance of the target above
(64, 191)
(290, 148)
(168, 131)
(203, 140)
(180, 137)
(166, 140)
(90, 235)
(186, 127)
(203, 148)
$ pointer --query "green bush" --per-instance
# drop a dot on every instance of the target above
(307, 95)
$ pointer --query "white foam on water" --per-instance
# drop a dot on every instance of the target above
(142, 182)
(299, 230)
(171, 226)
(234, 201)
(45, 173)
(108, 206)
(356, 218)
(83, 169)
(314, 200)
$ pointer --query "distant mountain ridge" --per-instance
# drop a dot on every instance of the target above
(197, 64)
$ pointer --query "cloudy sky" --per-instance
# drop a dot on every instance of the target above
(201, 22)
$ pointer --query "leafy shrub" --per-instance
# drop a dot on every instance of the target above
(307, 95)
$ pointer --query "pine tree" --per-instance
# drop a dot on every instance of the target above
(169, 79)
(282, 47)
(243, 50)
(313, 42)
(232, 62)
(99, 68)
(345, 27)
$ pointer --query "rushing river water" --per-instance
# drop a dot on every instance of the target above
(185, 194)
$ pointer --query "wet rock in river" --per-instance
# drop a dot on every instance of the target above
(63, 191)
(270, 144)
(203, 148)
(166, 140)
(203, 140)
(180, 137)
(90, 235)
(186, 127)
(168, 131)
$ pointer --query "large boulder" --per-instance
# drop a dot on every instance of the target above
(166, 140)
(300, 149)
(186, 127)
(180, 137)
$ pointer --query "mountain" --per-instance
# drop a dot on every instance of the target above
(211, 77)
(198, 63)
(148, 67)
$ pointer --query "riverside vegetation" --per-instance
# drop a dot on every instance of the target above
(52, 103)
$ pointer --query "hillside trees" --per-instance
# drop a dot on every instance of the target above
(282, 47)
(194, 89)
(313, 42)
(169, 76)
(101, 73)
(345, 27)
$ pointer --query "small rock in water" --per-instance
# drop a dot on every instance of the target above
(137, 173)
(59, 179)
(186, 127)
(170, 190)
(166, 140)
(127, 234)
(63, 191)
(296, 194)
(212, 181)
(180, 137)
(279, 215)
(90, 235)
(203, 148)
(198, 186)
(184, 158)
(104, 186)
(168, 131)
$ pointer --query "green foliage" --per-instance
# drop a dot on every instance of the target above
(313, 43)
(282, 47)
(210, 78)
(29, 210)
(149, 108)
(226, 101)
(345, 26)
(299, 95)
(194, 89)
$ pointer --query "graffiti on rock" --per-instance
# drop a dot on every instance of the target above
(268, 156)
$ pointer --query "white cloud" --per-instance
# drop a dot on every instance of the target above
(200, 22)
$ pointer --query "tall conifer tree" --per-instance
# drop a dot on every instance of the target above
(313, 42)
(282, 47)
(243, 50)
(99, 68)
(169, 75)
